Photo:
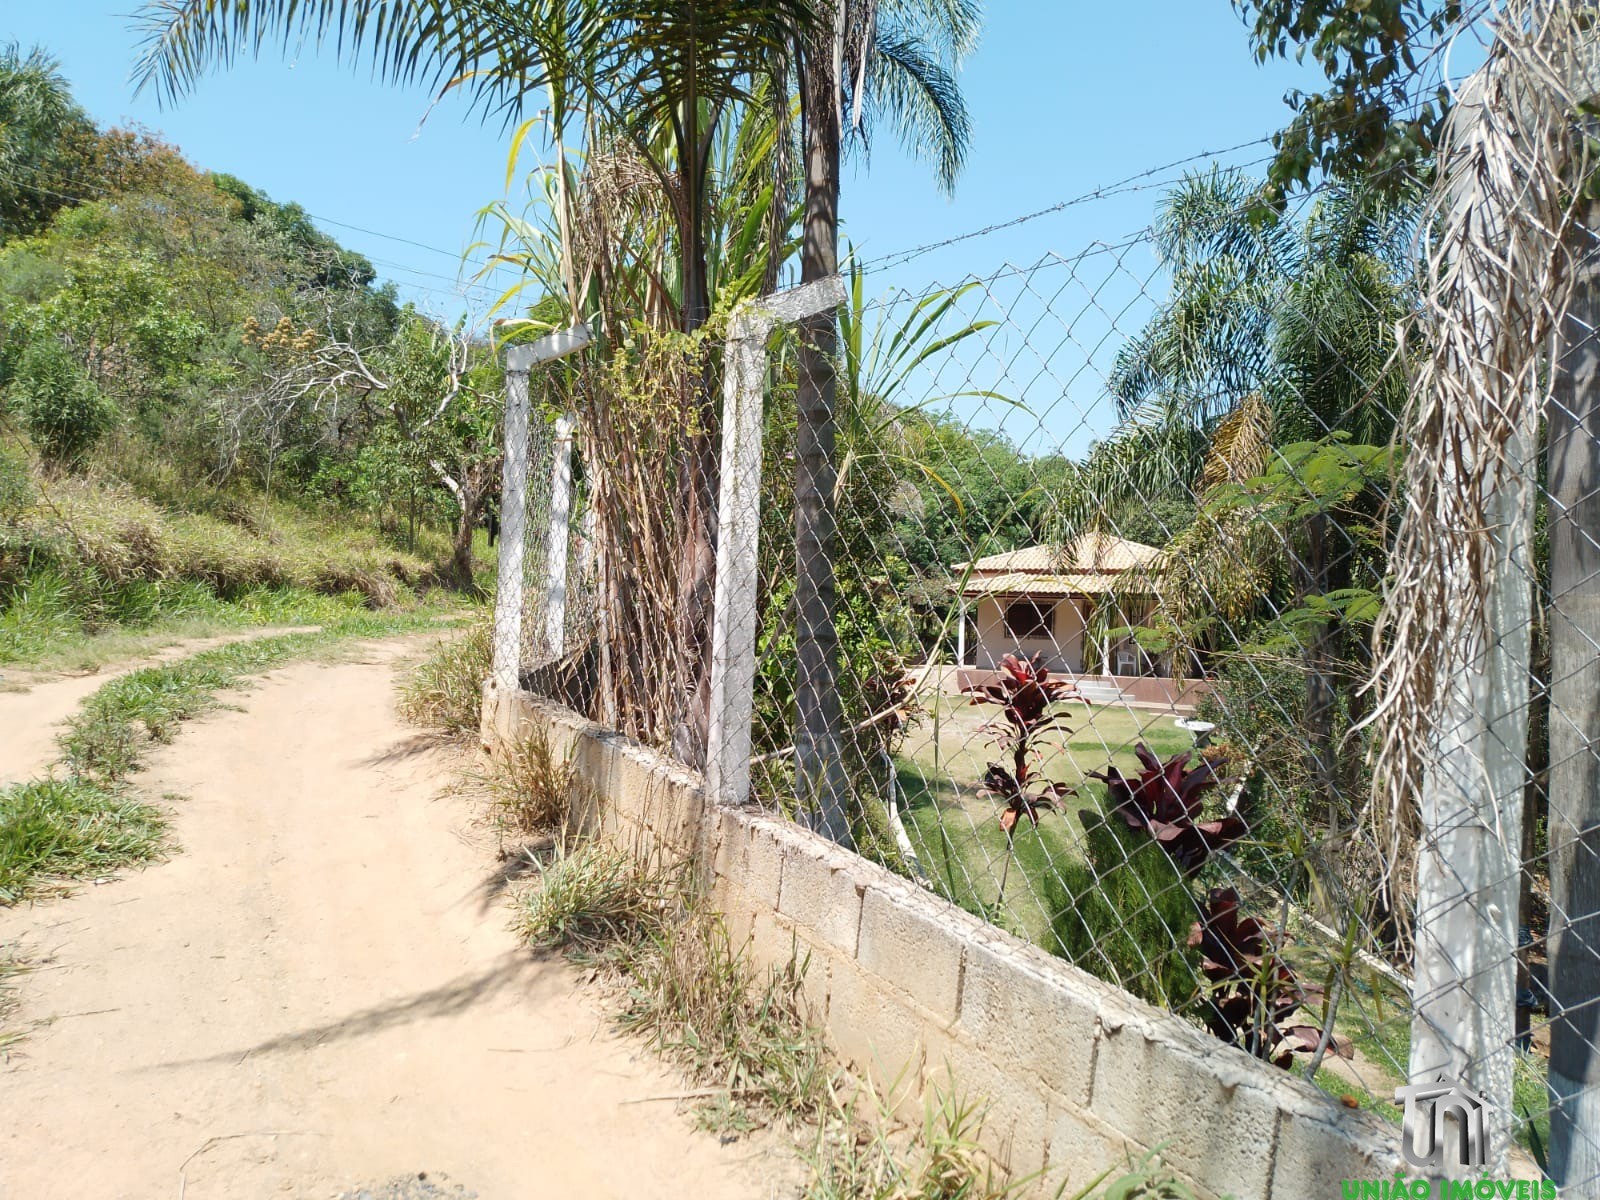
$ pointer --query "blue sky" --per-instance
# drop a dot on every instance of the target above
(1067, 96)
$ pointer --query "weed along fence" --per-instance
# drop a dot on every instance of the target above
(1157, 685)
(1077, 1074)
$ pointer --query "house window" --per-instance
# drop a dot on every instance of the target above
(1028, 619)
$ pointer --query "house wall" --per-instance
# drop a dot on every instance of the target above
(1078, 1076)
(1063, 649)
(1132, 691)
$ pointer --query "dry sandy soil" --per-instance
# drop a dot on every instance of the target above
(318, 995)
(32, 707)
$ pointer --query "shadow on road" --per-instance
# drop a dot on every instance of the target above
(514, 971)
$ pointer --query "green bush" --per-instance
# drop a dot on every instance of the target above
(1125, 913)
(64, 412)
(1258, 704)
(874, 632)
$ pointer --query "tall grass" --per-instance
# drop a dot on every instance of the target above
(691, 993)
(531, 787)
(84, 557)
(699, 1002)
(592, 898)
(743, 1035)
(868, 1155)
(444, 691)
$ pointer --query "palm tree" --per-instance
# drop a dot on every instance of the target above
(616, 242)
(37, 112)
(1302, 316)
(658, 75)
(860, 63)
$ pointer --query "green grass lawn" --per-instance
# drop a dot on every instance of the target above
(956, 832)
(959, 843)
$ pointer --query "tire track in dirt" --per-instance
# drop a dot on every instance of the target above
(31, 719)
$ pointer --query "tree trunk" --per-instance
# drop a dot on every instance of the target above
(821, 785)
(1574, 779)
(699, 473)
(462, 573)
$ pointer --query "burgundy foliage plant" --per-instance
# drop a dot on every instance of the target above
(1025, 691)
(1165, 800)
(1252, 992)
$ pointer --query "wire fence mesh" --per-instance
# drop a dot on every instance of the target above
(1109, 531)
(1092, 554)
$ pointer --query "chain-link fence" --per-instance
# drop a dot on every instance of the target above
(1066, 607)
(1110, 537)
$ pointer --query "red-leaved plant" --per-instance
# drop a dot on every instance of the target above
(1165, 799)
(1024, 691)
(1252, 992)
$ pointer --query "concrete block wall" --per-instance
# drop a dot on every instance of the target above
(1077, 1075)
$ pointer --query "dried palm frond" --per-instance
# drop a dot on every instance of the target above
(1495, 287)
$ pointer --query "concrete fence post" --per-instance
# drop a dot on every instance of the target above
(556, 548)
(509, 588)
(1469, 802)
(733, 621)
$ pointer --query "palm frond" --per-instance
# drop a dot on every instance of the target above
(921, 99)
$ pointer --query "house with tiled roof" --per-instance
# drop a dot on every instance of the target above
(1065, 602)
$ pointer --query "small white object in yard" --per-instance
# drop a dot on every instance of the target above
(1202, 730)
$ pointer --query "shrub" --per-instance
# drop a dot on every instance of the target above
(1251, 992)
(445, 690)
(1125, 913)
(875, 704)
(64, 412)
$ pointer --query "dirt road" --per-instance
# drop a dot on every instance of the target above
(319, 994)
(32, 717)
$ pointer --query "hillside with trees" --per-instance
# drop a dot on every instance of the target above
(209, 409)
